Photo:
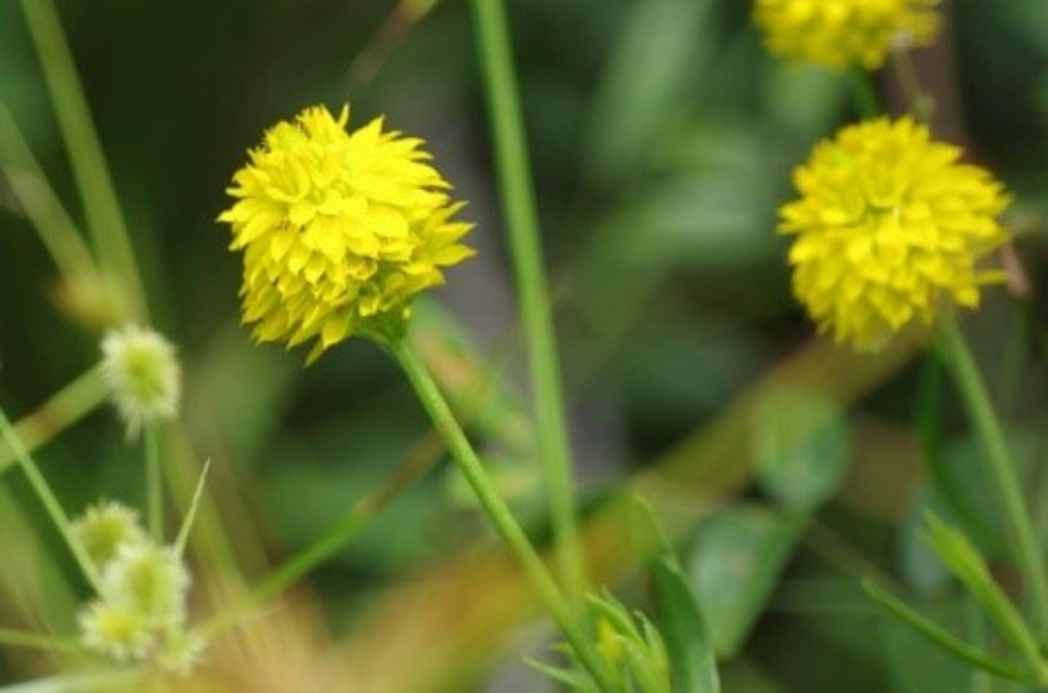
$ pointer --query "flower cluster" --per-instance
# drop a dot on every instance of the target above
(140, 614)
(339, 230)
(143, 374)
(630, 649)
(840, 33)
(889, 226)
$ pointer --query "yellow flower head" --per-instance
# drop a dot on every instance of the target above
(339, 230)
(888, 228)
(839, 33)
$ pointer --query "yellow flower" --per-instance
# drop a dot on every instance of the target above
(839, 33)
(888, 228)
(339, 230)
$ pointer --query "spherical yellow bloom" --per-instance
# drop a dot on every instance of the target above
(839, 33)
(889, 227)
(339, 230)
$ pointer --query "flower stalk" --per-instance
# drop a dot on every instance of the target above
(495, 507)
(1002, 467)
(49, 501)
(518, 201)
(154, 485)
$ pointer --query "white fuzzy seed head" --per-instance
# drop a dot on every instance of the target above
(152, 580)
(142, 371)
(105, 528)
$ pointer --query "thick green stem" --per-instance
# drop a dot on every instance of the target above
(104, 218)
(49, 501)
(154, 484)
(518, 202)
(999, 459)
(496, 509)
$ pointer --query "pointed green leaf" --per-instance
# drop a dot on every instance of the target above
(802, 445)
(942, 637)
(968, 565)
(693, 667)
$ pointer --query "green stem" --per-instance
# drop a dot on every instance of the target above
(36, 641)
(104, 218)
(154, 484)
(49, 501)
(518, 201)
(497, 510)
(1002, 467)
(70, 404)
(40, 202)
(945, 639)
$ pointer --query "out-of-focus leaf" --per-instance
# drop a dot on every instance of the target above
(693, 666)
(676, 373)
(738, 558)
(962, 478)
(812, 116)
(918, 564)
(802, 444)
(743, 676)
(663, 46)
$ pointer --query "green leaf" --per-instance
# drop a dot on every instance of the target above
(942, 637)
(693, 667)
(622, 125)
(802, 445)
(740, 554)
(968, 565)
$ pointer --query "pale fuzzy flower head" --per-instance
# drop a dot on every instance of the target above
(116, 630)
(151, 580)
(339, 229)
(142, 371)
(889, 230)
(841, 33)
(105, 528)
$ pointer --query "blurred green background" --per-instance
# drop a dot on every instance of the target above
(662, 138)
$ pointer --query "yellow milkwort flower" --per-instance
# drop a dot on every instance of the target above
(339, 230)
(889, 228)
(840, 33)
